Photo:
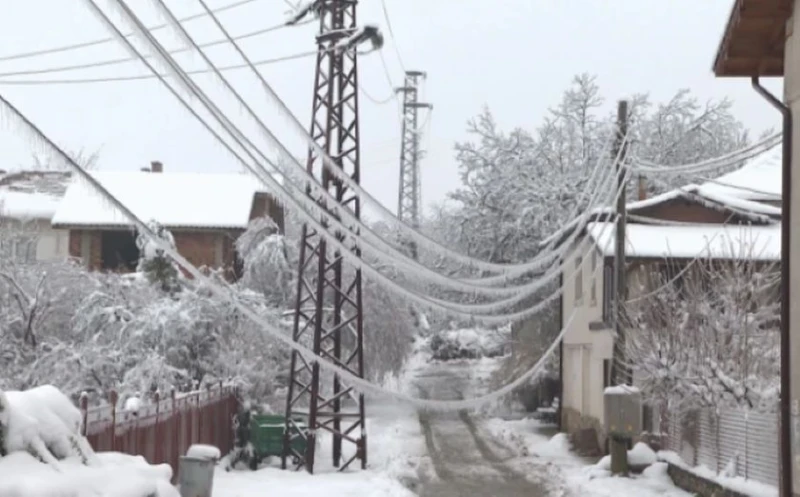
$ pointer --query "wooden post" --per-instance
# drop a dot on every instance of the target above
(618, 445)
(84, 413)
(113, 397)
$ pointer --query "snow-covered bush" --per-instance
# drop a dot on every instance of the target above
(710, 337)
(154, 263)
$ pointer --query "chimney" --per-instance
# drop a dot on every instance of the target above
(642, 188)
(156, 167)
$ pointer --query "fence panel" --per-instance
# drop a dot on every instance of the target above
(748, 438)
(163, 430)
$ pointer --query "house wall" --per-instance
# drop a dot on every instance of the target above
(791, 88)
(51, 244)
(265, 205)
(587, 344)
(213, 249)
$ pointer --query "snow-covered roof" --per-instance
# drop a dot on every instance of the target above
(31, 194)
(759, 179)
(174, 199)
(688, 242)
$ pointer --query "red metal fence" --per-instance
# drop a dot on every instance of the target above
(163, 430)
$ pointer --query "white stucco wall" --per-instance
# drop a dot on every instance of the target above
(584, 349)
(51, 244)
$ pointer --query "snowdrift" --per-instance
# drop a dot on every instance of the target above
(44, 455)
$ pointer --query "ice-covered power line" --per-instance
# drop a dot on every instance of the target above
(391, 33)
(140, 77)
(715, 163)
(224, 293)
(460, 311)
(365, 230)
(510, 270)
(101, 41)
(124, 60)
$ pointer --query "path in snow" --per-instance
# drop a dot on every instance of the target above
(466, 459)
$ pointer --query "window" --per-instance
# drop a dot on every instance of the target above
(593, 288)
(578, 281)
(606, 373)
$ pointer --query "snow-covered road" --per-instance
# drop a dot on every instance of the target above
(466, 459)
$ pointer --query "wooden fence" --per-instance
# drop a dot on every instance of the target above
(162, 431)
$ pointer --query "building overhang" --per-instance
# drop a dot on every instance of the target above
(754, 39)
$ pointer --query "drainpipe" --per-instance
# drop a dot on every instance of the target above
(560, 355)
(786, 223)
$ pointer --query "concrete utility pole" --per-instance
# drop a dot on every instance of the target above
(409, 202)
(336, 335)
(618, 371)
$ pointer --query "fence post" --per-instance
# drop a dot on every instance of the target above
(84, 413)
(176, 428)
(158, 449)
(113, 397)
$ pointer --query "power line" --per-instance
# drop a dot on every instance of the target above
(85, 44)
(122, 60)
(139, 77)
(391, 33)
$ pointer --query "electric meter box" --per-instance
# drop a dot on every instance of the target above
(623, 411)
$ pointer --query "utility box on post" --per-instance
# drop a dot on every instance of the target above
(623, 411)
(623, 416)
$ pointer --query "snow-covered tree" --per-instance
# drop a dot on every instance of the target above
(159, 268)
(268, 261)
(710, 337)
(519, 186)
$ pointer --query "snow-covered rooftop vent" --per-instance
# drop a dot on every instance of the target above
(175, 200)
(728, 242)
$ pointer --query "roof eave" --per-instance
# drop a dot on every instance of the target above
(767, 22)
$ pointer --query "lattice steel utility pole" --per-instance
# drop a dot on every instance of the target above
(328, 310)
(409, 200)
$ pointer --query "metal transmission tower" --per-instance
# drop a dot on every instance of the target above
(328, 310)
(409, 200)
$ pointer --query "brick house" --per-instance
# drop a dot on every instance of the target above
(664, 233)
(205, 212)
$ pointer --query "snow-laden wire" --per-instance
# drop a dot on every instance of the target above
(511, 270)
(226, 294)
(123, 60)
(469, 308)
(85, 44)
(391, 33)
(141, 77)
(459, 311)
(715, 163)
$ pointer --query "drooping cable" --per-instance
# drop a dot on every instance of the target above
(85, 44)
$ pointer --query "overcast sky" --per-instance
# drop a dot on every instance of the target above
(516, 56)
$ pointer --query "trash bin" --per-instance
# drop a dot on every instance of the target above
(196, 473)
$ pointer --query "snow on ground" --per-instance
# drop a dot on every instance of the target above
(396, 457)
(119, 475)
(571, 474)
(737, 483)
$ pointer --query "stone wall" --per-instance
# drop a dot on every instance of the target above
(698, 485)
